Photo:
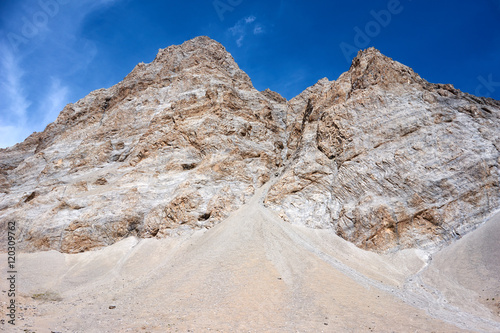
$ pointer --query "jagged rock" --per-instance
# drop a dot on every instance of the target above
(383, 157)
(178, 144)
(402, 163)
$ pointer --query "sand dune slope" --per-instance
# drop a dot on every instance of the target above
(468, 272)
(255, 273)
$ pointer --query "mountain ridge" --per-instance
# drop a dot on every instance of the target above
(186, 139)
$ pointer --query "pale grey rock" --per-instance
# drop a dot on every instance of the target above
(403, 163)
(381, 156)
(178, 144)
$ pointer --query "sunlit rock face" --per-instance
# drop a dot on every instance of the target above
(389, 160)
(381, 156)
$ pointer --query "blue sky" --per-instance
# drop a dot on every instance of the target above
(54, 52)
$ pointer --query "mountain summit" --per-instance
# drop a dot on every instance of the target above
(381, 156)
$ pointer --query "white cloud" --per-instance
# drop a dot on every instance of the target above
(239, 41)
(11, 84)
(28, 102)
(54, 102)
(258, 30)
(241, 28)
(12, 134)
(250, 19)
(238, 28)
(14, 103)
(15, 123)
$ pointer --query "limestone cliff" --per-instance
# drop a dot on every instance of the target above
(389, 160)
(383, 157)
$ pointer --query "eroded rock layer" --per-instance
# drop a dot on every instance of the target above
(380, 155)
(389, 160)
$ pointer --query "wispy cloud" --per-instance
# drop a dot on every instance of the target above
(14, 103)
(250, 19)
(55, 100)
(34, 65)
(244, 26)
(258, 29)
(11, 83)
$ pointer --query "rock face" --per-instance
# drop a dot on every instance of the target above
(178, 144)
(389, 160)
(380, 155)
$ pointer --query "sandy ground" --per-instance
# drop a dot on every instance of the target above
(255, 273)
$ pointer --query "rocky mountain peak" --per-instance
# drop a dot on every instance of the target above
(380, 156)
(273, 95)
(372, 68)
(202, 44)
(200, 55)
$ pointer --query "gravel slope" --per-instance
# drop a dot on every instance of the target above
(254, 273)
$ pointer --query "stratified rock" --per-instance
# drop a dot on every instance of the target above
(178, 144)
(389, 160)
(383, 157)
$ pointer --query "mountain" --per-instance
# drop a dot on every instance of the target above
(384, 158)
(388, 160)
(183, 199)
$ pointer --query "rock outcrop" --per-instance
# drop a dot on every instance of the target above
(178, 144)
(383, 157)
(389, 160)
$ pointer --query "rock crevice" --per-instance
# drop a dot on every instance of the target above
(380, 156)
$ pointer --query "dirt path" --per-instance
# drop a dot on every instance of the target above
(251, 273)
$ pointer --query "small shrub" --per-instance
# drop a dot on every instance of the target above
(48, 296)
